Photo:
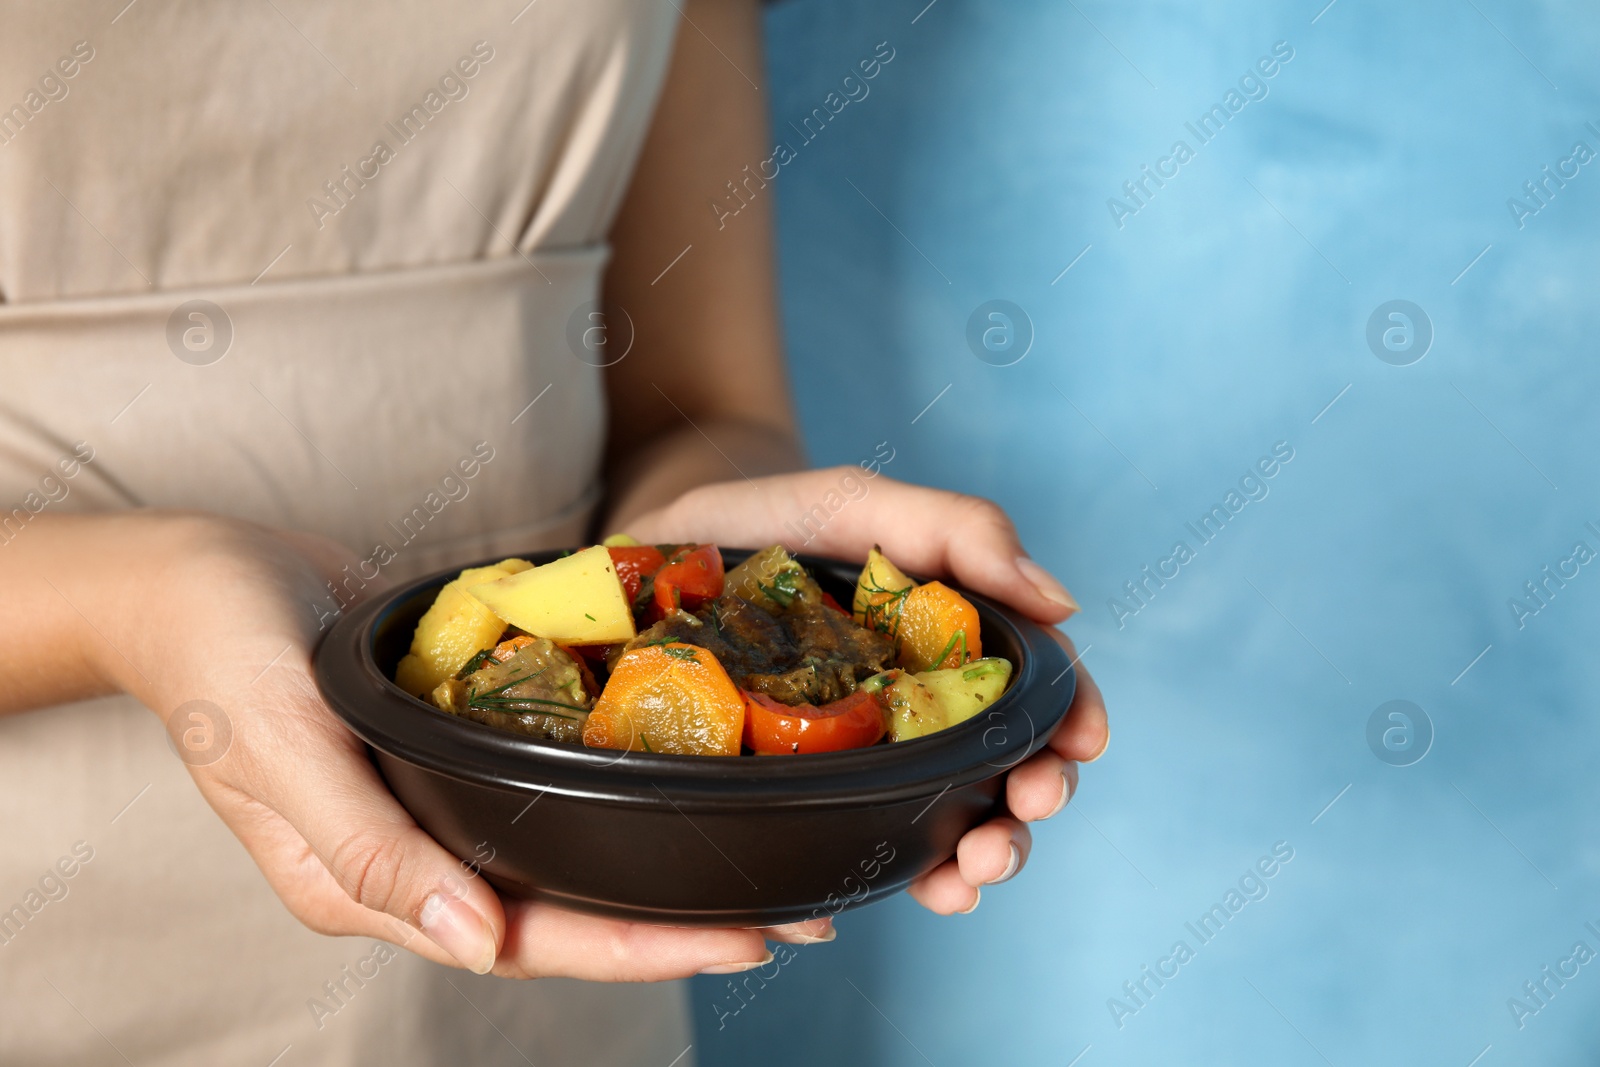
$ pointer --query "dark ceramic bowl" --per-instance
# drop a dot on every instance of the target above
(690, 840)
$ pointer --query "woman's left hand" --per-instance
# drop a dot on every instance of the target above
(843, 512)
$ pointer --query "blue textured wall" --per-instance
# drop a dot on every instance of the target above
(1221, 318)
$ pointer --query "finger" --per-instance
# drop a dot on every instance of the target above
(544, 941)
(993, 852)
(939, 532)
(303, 765)
(808, 932)
(1041, 787)
(928, 530)
(1086, 731)
(944, 892)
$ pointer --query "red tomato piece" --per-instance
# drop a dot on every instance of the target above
(828, 601)
(634, 564)
(691, 577)
(774, 729)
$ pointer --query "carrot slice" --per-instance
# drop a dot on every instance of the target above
(668, 698)
(938, 629)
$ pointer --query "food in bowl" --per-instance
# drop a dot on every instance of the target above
(655, 648)
(689, 841)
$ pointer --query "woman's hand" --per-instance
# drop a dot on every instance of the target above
(933, 532)
(186, 608)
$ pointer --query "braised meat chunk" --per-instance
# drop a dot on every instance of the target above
(807, 653)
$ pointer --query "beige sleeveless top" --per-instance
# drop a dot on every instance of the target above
(294, 262)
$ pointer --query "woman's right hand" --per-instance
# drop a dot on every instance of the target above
(182, 608)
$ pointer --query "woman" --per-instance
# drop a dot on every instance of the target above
(302, 268)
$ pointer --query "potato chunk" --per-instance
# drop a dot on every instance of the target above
(881, 592)
(576, 600)
(457, 627)
(925, 703)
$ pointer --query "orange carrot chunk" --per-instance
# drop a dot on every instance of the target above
(672, 698)
(938, 629)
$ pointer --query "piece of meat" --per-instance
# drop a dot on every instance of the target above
(538, 689)
(808, 654)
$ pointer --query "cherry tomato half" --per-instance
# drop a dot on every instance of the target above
(775, 729)
(691, 577)
(634, 564)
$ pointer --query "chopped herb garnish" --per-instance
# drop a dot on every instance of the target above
(982, 670)
(475, 664)
(497, 699)
(645, 741)
(959, 635)
(880, 615)
(785, 586)
(586, 615)
(515, 681)
(680, 653)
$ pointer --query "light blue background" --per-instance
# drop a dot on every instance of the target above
(1222, 319)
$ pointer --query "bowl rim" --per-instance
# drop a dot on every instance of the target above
(409, 729)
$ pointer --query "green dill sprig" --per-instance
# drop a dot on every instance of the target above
(497, 699)
(475, 664)
(959, 635)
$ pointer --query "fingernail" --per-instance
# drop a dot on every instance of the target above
(453, 926)
(1046, 584)
(1069, 786)
(735, 968)
(1105, 745)
(1011, 867)
(827, 935)
(977, 898)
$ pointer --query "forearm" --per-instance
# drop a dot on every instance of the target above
(63, 576)
(702, 396)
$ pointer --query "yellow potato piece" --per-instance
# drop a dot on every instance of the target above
(452, 631)
(575, 600)
(881, 592)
